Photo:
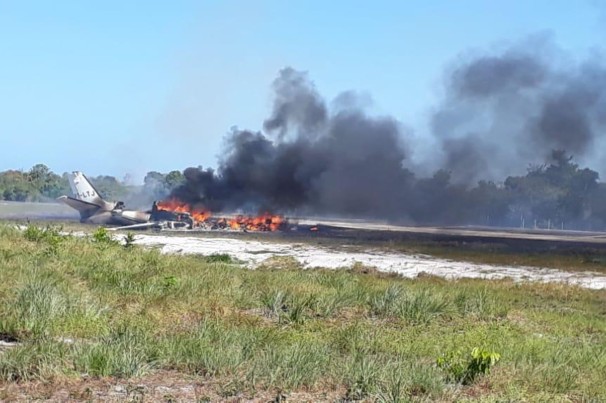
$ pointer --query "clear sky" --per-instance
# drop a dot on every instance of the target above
(125, 87)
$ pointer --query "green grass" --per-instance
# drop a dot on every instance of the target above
(87, 307)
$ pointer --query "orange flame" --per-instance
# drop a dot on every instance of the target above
(177, 206)
(264, 222)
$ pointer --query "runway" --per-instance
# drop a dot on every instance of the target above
(553, 235)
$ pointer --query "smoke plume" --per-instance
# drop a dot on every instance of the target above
(500, 112)
(311, 159)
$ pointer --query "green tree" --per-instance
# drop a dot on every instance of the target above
(47, 183)
(173, 179)
(558, 193)
(15, 186)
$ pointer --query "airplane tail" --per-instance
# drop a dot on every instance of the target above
(86, 198)
(84, 190)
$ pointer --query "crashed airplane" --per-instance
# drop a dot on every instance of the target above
(94, 209)
(170, 214)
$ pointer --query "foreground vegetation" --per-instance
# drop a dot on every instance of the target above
(84, 309)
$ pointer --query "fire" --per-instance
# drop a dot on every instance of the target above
(264, 222)
(177, 206)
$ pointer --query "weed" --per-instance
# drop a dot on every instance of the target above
(39, 304)
(129, 240)
(33, 361)
(422, 307)
(218, 258)
(327, 305)
(123, 353)
(290, 365)
(416, 308)
(385, 303)
(296, 310)
(170, 282)
(404, 381)
(464, 370)
(364, 374)
(480, 303)
(275, 303)
(287, 308)
(50, 233)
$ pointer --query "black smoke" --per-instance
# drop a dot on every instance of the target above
(514, 107)
(297, 106)
(310, 160)
(501, 112)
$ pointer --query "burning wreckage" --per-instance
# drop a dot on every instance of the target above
(171, 214)
(174, 214)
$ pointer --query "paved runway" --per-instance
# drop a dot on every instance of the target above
(484, 233)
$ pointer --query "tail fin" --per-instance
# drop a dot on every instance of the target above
(86, 199)
(84, 190)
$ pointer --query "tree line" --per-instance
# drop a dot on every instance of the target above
(39, 183)
(559, 194)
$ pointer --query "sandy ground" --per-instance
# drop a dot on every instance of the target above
(253, 253)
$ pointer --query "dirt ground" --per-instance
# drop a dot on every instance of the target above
(162, 386)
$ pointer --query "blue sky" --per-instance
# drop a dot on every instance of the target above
(125, 87)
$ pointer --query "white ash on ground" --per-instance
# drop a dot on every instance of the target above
(254, 253)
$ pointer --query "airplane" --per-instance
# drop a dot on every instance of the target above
(94, 209)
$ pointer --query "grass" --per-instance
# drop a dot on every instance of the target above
(86, 309)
